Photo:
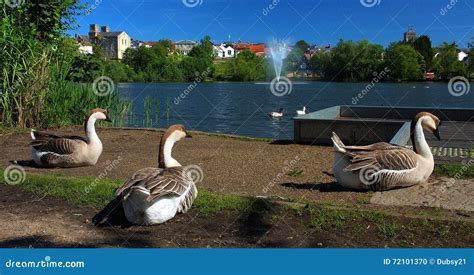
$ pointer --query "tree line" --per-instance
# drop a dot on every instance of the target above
(405, 61)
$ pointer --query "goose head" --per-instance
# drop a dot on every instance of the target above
(94, 115)
(429, 122)
(172, 135)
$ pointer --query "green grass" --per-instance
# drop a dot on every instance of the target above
(297, 172)
(97, 193)
(320, 218)
(457, 171)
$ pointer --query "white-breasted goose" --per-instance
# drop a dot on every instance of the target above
(154, 195)
(383, 166)
(49, 150)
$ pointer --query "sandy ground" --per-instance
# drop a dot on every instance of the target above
(248, 168)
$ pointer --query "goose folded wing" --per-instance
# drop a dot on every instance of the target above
(62, 146)
(373, 147)
(159, 182)
(389, 159)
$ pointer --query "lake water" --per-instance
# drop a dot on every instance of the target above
(242, 108)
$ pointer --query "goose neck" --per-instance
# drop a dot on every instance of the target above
(165, 159)
(420, 145)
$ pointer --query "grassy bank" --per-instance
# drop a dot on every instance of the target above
(401, 227)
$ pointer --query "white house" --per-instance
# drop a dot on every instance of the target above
(462, 55)
(86, 48)
(224, 51)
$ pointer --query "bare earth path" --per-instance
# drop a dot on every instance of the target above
(243, 167)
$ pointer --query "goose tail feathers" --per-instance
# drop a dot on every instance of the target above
(337, 143)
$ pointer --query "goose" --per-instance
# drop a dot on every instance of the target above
(301, 112)
(383, 166)
(49, 150)
(278, 114)
(154, 195)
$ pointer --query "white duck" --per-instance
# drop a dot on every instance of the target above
(278, 114)
(382, 166)
(155, 195)
(301, 112)
(69, 151)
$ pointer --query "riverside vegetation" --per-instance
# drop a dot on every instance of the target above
(46, 82)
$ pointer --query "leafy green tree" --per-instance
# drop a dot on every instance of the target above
(199, 60)
(320, 64)
(302, 45)
(446, 63)
(48, 20)
(423, 45)
(294, 59)
(404, 62)
(245, 67)
(471, 58)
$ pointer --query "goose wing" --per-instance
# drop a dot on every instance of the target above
(44, 142)
(386, 157)
(163, 182)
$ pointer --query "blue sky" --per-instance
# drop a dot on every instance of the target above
(319, 22)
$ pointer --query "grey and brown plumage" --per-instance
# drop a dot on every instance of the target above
(49, 150)
(154, 195)
(384, 166)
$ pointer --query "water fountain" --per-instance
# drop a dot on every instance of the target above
(278, 52)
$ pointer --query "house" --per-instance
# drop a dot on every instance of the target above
(184, 46)
(86, 48)
(224, 51)
(114, 44)
(463, 53)
(429, 76)
(258, 49)
(84, 43)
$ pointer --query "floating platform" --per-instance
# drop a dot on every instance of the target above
(362, 125)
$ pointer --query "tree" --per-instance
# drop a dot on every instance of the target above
(423, 45)
(446, 63)
(302, 45)
(245, 67)
(199, 59)
(49, 19)
(294, 59)
(470, 59)
(404, 62)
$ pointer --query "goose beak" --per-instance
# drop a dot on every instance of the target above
(107, 118)
(436, 134)
(188, 136)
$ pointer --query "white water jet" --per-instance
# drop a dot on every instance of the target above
(278, 52)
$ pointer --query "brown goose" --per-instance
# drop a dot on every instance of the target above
(70, 151)
(383, 166)
(155, 195)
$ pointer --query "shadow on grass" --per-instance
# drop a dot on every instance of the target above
(321, 187)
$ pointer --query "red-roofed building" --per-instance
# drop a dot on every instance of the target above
(258, 49)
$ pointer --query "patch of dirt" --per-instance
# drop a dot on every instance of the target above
(31, 221)
(242, 167)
